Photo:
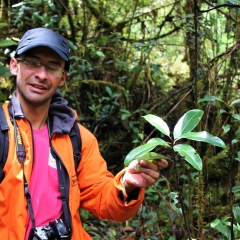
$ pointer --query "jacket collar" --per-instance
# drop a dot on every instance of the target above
(61, 117)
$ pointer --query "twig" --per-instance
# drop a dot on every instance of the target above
(180, 101)
(181, 200)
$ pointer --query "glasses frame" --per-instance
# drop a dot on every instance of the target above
(24, 60)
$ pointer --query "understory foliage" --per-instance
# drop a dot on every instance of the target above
(134, 58)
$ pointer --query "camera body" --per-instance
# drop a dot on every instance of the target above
(54, 231)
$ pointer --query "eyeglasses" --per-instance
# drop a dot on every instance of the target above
(34, 65)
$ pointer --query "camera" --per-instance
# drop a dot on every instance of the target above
(54, 231)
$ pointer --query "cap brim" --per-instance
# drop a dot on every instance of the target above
(28, 47)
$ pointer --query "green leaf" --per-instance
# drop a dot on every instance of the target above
(100, 54)
(236, 116)
(72, 45)
(204, 137)
(121, 63)
(138, 152)
(136, 69)
(125, 116)
(208, 33)
(226, 129)
(236, 213)
(5, 72)
(115, 95)
(184, 177)
(155, 67)
(124, 110)
(174, 196)
(7, 43)
(233, 1)
(236, 189)
(210, 98)
(222, 111)
(237, 132)
(109, 91)
(158, 142)
(189, 154)
(158, 123)
(152, 156)
(141, 136)
(3, 25)
(217, 224)
(235, 102)
(3, 97)
(187, 122)
(143, 150)
(138, 44)
(235, 141)
(102, 40)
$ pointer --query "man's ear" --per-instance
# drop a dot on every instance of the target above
(63, 79)
(13, 66)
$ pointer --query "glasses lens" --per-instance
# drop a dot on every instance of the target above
(53, 70)
(34, 65)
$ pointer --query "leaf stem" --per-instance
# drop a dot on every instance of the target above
(181, 198)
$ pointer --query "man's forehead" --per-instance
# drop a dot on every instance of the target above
(43, 52)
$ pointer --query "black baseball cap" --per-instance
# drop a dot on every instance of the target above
(43, 37)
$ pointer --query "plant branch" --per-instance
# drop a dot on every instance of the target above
(218, 6)
(153, 38)
(73, 37)
(181, 198)
(169, 97)
(225, 57)
(180, 101)
(166, 100)
(103, 21)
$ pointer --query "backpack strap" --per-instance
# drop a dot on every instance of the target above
(3, 142)
(76, 143)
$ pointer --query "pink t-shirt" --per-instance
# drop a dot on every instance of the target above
(44, 184)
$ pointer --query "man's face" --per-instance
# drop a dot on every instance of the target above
(35, 87)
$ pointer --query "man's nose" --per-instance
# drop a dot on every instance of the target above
(41, 72)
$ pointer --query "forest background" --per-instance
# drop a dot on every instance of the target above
(132, 58)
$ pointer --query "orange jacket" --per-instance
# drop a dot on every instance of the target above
(91, 187)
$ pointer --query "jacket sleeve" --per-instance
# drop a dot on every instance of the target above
(101, 193)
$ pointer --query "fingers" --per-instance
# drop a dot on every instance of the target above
(155, 165)
(150, 170)
(149, 180)
(149, 165)
(149, 173)
(144, 173)
(161, 163)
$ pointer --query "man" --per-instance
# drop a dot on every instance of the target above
(40, 157)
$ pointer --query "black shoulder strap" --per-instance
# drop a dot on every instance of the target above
(3, 142)
(76, 143)
(77, 146)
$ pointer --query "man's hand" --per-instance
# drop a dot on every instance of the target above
(145, 176)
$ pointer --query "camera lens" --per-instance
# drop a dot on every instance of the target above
(47, 228)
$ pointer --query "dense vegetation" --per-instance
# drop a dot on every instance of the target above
(132, 58)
